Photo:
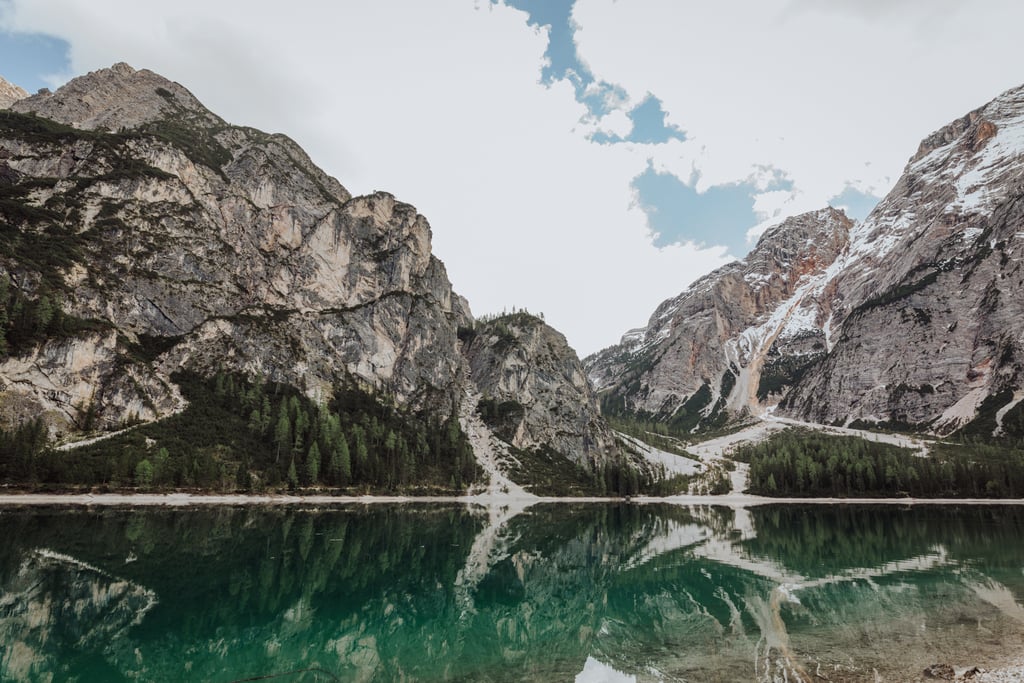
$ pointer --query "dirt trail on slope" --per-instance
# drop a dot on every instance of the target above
(488, 449)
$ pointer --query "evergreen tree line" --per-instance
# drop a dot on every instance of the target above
(20, 448)
(547, 472)
(651, 432)
(246, 434)
(804, 463)
(26, 320)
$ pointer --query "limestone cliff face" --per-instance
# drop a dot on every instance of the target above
(537, 389)
(909, 318)
(10, 93)
(736, 337)
(197, 245)
(179, 242)
(930, 324)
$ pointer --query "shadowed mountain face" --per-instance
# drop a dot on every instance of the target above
(446, 593)
(537, 388)
(906, 318)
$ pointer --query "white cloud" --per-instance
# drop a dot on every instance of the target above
(830, 93)
(615, 123)
(439, 103)
(436, 102)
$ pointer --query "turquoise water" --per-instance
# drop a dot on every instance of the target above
(453, 593)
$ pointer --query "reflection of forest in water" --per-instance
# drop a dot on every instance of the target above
(445, 592)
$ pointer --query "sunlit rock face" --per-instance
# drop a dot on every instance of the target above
(537, 384)
(907, 318)
(928, 328)
(204, 246)
(10, 93)
(737, 337)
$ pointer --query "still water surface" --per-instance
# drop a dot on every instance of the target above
(597, 592)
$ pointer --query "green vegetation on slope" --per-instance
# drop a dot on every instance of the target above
(246, 435)
(799, 462)
(25, 320)
(545, 472)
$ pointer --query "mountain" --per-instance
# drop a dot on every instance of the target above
(734, 338)
(929, 330)
(535, 388)
(142, 237)
(201, 246)
(906, 319)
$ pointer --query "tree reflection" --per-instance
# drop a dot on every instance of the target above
(386, 593)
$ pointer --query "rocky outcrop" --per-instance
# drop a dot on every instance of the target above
(928, 331)
(118, 99)
(172, 241)
(534, 391)
(201, 246)
(10, 93)
(907, 318)
(736, 338)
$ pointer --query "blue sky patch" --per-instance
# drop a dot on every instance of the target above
(26, 59)
(564, 62)
(649, 125)
(857, 204)
(600, 97)
(677, 213)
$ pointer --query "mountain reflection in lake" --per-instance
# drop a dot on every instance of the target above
(552, 593)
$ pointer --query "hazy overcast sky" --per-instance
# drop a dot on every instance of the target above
(581, 158)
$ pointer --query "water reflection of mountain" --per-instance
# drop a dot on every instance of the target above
(449, 593)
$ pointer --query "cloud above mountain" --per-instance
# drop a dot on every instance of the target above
(583, 158)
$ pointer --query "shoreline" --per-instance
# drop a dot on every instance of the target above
(483, 500)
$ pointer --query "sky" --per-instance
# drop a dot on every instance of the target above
(584, 159)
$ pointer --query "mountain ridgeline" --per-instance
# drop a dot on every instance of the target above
(228, 316)
(148, 247)
(910, 320)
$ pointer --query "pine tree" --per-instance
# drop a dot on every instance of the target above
(44, 314)
(301, 427)
(293, 477)
(339, 470)
(283, 432)
(144, 474)
(313, 465)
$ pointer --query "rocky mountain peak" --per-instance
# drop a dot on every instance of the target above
(536, 387)
(703, 353)
(926, 268)
(800, 245)
(117, 98)
(10, 93)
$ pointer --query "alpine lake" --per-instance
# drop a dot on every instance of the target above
(551, 592)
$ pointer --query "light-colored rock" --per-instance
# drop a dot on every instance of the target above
(71, 381)
(225, 249)
(519, 360)
(703, 353)
(908, 318)
(10, 93)
(927, 323)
